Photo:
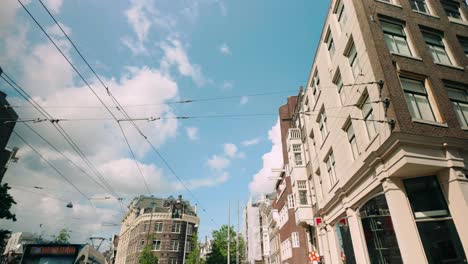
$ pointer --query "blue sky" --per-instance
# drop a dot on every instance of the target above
(155, 52)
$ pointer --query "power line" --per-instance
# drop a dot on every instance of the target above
(51, 165)
(37, 193)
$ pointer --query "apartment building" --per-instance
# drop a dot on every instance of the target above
(252, 232)
(167, 225)
(377, 146)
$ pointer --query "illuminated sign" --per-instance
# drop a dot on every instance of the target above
(53, 250)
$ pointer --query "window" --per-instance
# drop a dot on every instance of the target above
(142, 242)
(381, 241)
(295, 239)
(368, 115)
(341, 14)
(458, 94)
(419, 6)
(174, 246)
(144, 227)
(352, 140)
(286, 250)
(172, 261)
(339, 85)
(464, 44)
(395, 38)
(297, 154)
(175, 227)
(315, 85)
(189, 229)
(323, 124)
(331, 169)
(354, 60)
(283, 216)
(188, 246)
(452, 8)
(345, 243)
(302, 191)
(156, 244)
(437, 48)
(435, 225)
(290, 201)
(330, 43)
(417, 99)
(158, 227)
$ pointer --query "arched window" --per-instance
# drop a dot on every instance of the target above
(381, 241)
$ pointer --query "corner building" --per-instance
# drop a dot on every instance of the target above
(380, 134)
(167, 225)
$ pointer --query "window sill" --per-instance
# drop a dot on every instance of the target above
(406, 56)
(427, 122)
(458, 21)
(324, 140)
(333, 186)
(464, 128)
(450, 66)
(390, 4)
(426, 14)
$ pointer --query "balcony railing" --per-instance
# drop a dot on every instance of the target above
(294, 133)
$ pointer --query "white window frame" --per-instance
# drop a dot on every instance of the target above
(315, 85)
(174, 243)
(451, 7)
(176, 226)
(338, 81)
(297, 154)
(368, 117)
(395, 37)
(464, 44)
(189, 229)
(295, 240)
(155, 243)
(413, 99)
(158, 227)
(417, 5)
(437, 47)
(341, 14)
(291, 203)
(330, 164)
(323, 125)
(330, 43)
(353, 60)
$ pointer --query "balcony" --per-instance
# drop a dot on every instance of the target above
(272, 218)
(294, 133)
(304, 215)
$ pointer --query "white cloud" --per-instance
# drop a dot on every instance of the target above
(218, 163)
(221, 177)
(192, 133)
(244, 100)
(250, 142)
(54, 5)
(176, 55)
(230, 150)
(139, 17)
(223, 8)
(224, 49)
(227, 85)
(54, 30)
(260, 183)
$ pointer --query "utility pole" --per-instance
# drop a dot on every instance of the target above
(237, 235)
(229, 235)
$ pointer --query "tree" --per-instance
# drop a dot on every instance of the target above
(6, 201)
(219, 248)
(147, 256)
(194, 256)
(63, 237)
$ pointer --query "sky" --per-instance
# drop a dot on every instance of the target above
(151, 53)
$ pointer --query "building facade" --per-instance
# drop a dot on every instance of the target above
(6, 114)
(378, 140)
(167, 225)
(252, 233)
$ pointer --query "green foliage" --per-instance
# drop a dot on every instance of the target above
(219, 248)
(6, 201)
(194, 256)
(63, 237)
(147, 256)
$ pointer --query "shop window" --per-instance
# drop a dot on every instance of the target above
(435, 225)
(382, 245)
(345, 243)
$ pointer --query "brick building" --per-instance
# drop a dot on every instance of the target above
(380, 134)
(165, 224)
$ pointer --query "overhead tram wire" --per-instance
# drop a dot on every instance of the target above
(58, 127)
(116, 102)
(72, 65)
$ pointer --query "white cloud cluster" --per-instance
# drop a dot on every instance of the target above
(192, 133)
(244, 100)
(260, 183)
(218, 163)
(231, 151)
(224, 49)
(250, 142)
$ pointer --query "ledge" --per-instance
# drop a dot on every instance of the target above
(371, 141)
(427, 122)
(426, 14)
(458, 21)
(464, 128)
(406, 56)
(390, 4)
(450, 66)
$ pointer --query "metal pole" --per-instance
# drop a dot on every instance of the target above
(229, 235)
(237, 235)
(185, 244)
